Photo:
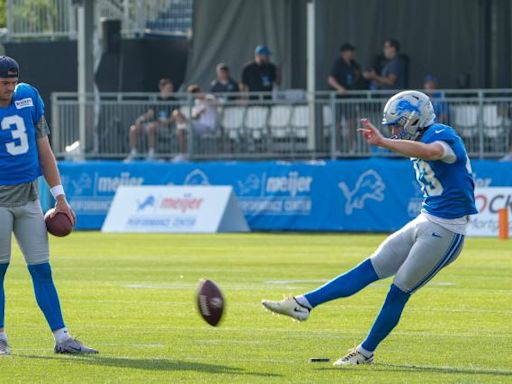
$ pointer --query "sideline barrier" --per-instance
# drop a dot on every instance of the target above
(346, 195)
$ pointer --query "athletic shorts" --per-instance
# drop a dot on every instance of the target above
(416, 253)
(27, 224)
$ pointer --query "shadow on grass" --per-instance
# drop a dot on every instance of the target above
(427, 368)
(152, 364)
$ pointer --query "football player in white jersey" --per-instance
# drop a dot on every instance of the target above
(418, 251)
(25, 154)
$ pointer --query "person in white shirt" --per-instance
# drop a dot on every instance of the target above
(203, 121)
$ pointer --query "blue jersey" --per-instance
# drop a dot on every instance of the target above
(19, 157)
(448, 189)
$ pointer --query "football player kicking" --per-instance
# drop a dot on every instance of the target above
(418, 251)
(25, 154)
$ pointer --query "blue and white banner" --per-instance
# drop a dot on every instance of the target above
(348, 195)
(174, 209)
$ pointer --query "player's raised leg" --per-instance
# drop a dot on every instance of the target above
(30, 232)
(383, 263)
(427, 257)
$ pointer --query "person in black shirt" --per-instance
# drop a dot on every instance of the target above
(157, 117)
(224, 83)
(260, 75)
(345, 73)
(345, 76)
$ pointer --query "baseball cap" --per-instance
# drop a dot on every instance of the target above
(347, 47)
(262, 50)
(8, 67)
(222, 66)
(431, 78)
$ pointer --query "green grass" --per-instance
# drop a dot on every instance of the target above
(132, 296)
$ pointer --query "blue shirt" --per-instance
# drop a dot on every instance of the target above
(448, 188)
(19, 157)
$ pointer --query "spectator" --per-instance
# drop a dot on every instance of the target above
(260, 75)
(393, 73)
(224, 83)
(204, 119)
(438, 101)
(345, 75)
(345, 72)
(154, 119)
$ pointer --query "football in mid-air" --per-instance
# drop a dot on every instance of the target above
(59, 225)
(210, 302)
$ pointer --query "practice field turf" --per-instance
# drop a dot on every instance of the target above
(132, 297)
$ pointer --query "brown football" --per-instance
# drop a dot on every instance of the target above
(210, 302)
(59, 225)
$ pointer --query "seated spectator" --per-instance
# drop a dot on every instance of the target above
(393, 73)
(154, 119)
(438, 101)
(224, 83)
(203, 121)
(260, 75)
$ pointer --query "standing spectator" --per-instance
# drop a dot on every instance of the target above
(260, 75)
(345, 72)
(204, 119)
(393, 73)
(155, 118)
(438, 101)
(224, 83)
(345, 75)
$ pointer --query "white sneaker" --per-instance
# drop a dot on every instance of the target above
(354, 357)
(4, 348)
(289, 307)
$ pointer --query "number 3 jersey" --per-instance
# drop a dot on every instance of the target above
(448, 188)
(19, 157)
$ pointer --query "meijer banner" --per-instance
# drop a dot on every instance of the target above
(175, 209)
(488, 202)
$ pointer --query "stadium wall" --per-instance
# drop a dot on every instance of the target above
(345, 195)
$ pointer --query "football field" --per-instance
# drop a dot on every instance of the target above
(132, 297)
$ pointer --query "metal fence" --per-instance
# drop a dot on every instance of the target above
(289, 125)
(53, 19)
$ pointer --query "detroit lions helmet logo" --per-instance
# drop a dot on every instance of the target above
(368, 186)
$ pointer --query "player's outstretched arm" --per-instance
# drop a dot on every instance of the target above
(432, 151)
(51, 174)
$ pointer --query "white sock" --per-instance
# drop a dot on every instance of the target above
(133, 152)
(61, 335)
(3, 336)
(151, 152)
(364, 352)
(303, 301)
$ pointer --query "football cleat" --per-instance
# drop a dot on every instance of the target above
(4, 348)
(73, 346)
(289, 307)
(353, 357)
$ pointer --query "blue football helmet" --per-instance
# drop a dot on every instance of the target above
(411, 112)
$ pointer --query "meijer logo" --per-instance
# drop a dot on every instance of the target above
(293, 184)
(182, 204)
(110, 184)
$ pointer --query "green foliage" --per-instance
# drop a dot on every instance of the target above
(39, 13)
(132, 296)
(3, 15)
